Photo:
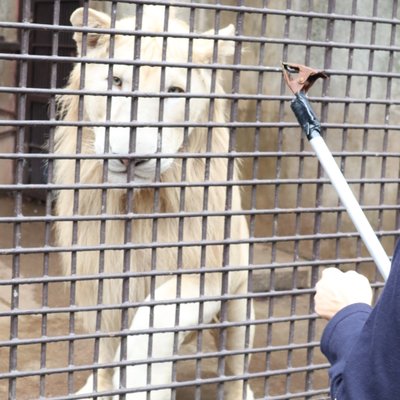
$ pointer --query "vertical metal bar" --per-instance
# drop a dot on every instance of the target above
(156, 199)
(255, 173)
(49, 197)
(318, 216)
(182, 194)
(75, 208)
(128, 234)
(19, 174)
(275, 224)
(299, 199)
(204, 220)
(387, 113)
(228, 199)
(102, 233)
(366, 119)
(346, 118)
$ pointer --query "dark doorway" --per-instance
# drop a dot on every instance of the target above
(46, 75)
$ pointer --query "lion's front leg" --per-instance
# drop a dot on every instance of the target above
(137, 375)
(164, 318)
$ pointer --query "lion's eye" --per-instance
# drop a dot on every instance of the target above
(117, 81)
(175, 89)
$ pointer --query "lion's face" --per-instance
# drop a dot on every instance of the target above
(139, 147)
(146, 96)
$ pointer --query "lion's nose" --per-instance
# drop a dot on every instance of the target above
(124, 161)
(136, 162)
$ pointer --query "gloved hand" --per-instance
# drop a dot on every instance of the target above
(337, 289)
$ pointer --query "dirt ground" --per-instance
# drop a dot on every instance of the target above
(268, 367)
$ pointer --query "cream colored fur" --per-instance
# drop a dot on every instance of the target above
(91, 202)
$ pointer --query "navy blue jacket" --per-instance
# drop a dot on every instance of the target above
(363, 346)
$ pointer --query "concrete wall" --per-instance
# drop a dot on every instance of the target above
(339, 85)
(8, 12)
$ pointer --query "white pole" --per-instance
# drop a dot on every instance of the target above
(353, 208)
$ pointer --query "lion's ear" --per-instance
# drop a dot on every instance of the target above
(204, 50)
(95, 19)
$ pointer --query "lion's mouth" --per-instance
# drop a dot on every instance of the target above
(135, 167)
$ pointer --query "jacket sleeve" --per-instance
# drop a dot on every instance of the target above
(363, 346)
(339, 337)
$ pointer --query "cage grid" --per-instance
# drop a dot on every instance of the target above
(268, 179)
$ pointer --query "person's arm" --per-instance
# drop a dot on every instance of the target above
(344, 299)
(363, 346)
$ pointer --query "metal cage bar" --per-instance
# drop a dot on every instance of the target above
(200, 280)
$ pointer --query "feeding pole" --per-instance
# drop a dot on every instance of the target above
(312, 129)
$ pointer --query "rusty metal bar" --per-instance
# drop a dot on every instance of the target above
(208, 155)
(19, 175)
(83, 123)
(195, 184)
(296, 264)
(254, 212)
(242, 96)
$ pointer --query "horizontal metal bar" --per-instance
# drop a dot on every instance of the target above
(211, 66)
(234, 124)
(181, 244)
(111, 31)
(186, 155)
(289, 396)
(138, 94)
(136, 124)
(193, 35)
(149, 303)
(269, 11)
(307, 394)
(151, 360)
(202, 381)
(120, 334)
(83, 368)
(181, 272)
(205, 184)
(134, 63)
(112, 307)
(187, 214)
(229, 96)
(366, 74)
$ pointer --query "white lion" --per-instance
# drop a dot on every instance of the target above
(128, 248)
